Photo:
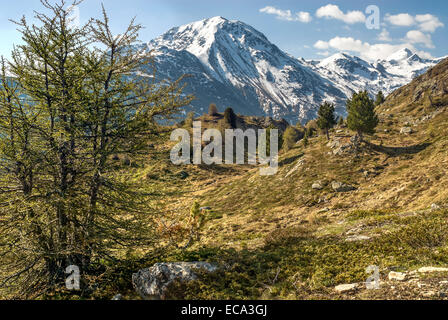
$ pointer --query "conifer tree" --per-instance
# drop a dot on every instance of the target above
(290, 137)
(326, 118)
(230, 117)
(189, 120)
(67, 110)
(361, 114)
(212, 110)
(379, 98)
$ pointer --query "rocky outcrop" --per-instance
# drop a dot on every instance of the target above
(153, 283)
(406, 130)
(432, 269)
(397, 276)
(356, 238)
(341, 187)
(317, 185)
(346, 288)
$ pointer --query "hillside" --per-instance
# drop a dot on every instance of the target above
(330, 212)
(243, 122)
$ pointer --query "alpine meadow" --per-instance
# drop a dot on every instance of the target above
(191, 161)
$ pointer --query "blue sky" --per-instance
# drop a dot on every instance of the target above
(311, 29)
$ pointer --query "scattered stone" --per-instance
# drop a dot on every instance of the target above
(341, 187)
(397, 276)
(300, 163)
(322, 200)
(354, 231)
(435, 206)
(432, 269)
(117, 297)
(317, 185)
(357, 238)
(406, 130)
(153, 283)
(345, 288)
(334, 144)
(355, 140)
(345, 148)
(429, 294)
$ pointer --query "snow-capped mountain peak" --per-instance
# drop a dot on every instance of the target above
(232, 64)
(401, 55)
(236, 65)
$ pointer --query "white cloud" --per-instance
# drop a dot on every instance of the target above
(304, 16)
(322, 45)
(384, 36)
(416, 36)
(332, 11)
(428, 22)
(287, 15)
(324, 53)
(425, 55)
(425, 22)
(402, 19)
(365, 50)
(348, 44)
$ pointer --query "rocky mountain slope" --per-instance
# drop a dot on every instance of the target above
(351, 74)
(312, 230)
(232, 64)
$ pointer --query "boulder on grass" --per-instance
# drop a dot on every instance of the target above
(341, 187)
(153, 283)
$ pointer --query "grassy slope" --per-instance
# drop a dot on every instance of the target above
(279, 238)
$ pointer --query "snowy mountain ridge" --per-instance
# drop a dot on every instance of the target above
(234, 65)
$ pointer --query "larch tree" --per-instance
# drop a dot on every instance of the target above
(68, 105)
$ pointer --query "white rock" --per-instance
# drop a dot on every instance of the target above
(334, 144)
(300, 163)
(152, 283)
(341, 187)
(432, 269)
(343, 288)
(397, 276)
(317, 185)
(357, 238)
(429, 294)
(406, 130)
